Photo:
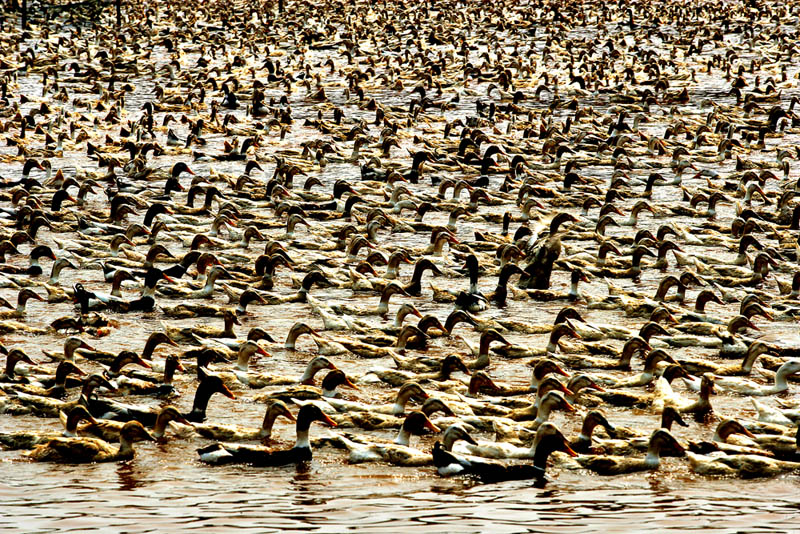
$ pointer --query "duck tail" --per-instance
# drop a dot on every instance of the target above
(215, 454)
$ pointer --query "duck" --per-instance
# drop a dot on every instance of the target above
(573, 295)
(28, 440)
(231, 433)
(700, 366)
(54, 386)
(192, 333)
(662, 390)
(540, 411)
(225, 453)
(392, 288)
(88, 450)
(398, 452)
(396, 377)
(583, 442)
(739, 465)
(14, 357)
(48, 407)
(128, 385)
(108, 430)
(516, 351)
(71, 344)
(632, 347)
(548, 439)
(406, 392)
(20, 311)
(262, 380)
(117, 411)
(646, 377)
(407, 456)
(34, 269)
(664, 396)
(145, 303)
(729, 429)
(750, 388)
(620, 465)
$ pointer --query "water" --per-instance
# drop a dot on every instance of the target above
(165, 488)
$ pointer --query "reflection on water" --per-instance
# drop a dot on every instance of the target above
(129, 479)
(326, 498)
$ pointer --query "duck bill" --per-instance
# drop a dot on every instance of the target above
(288, 415)
(349, 383)
(86, 346)
(568, 449)
(227, 392)
(596, 387)
(182, 420)
(568, 407)
(179, 366)
(433, 428)
(78, 371)
(167, 278)
(143, 363)
(328, 421)
(262, 352)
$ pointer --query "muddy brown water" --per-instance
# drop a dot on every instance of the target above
(165, 488)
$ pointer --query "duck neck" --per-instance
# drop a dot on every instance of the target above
(11, 364)
(653, 458)
(587, 428)
(403, 437)
(125, 447)
(228, 331)
(308, 375)
(541, 454)
(200, 404)
(383, 305)
(169, 372)
(266, 426)
(160, 428)
(749, 360)
(243, 360)
(208, 288)
(149, 348)
(61, 377)
(552, 344)
(71, 425)
(400, 402)
(781, 383)
(302, 441)
(148, 291)
(625, 358)
(543, 412)
(573, 290)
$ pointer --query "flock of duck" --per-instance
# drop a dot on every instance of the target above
(464, 221)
